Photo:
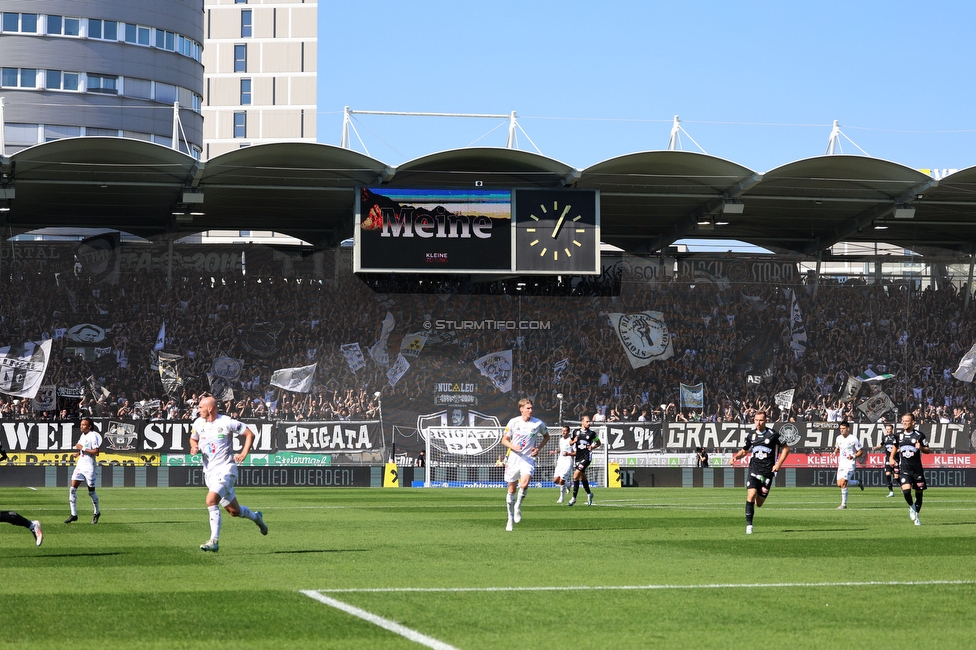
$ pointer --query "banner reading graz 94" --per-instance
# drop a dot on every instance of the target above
(433, 230)
(729, 436)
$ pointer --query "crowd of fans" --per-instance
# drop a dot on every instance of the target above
(721, 333)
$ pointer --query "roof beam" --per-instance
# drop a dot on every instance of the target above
(865, 218)
(713, 206)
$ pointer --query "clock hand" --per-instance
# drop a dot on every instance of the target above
(559, 224)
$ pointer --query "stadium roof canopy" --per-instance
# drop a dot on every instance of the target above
(649, 200)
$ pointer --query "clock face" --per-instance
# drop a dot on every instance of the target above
(556, 231)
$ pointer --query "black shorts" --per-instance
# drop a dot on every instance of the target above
(909, 477)
(582, 465)
(891, 469)
(761, 482)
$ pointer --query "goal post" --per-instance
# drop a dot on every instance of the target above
(475, 457)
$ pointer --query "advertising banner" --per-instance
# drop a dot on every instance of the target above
(433, 230)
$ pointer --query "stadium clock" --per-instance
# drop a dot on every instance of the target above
(557, 231)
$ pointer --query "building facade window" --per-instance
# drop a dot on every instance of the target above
(245, 23)
(18, 77)
(106, 85)
(25, 23)
(240, 58)
(136, 34)
(166, 93)
(240, 124)
(105, 30)
(245, 92)
(58, 80)
(61, 26)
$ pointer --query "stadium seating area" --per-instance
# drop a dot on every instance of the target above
(720, 332)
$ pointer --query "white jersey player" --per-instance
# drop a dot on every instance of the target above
(564, 462)
(213, 435)
(86, 469)
(524, 436)
(848, 449)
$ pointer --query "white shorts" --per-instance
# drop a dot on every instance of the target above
(222, 485)
(85, 476)
(517, 467)
(564, 468)
(845, 472)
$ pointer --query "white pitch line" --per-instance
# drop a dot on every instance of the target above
(755, 585)
(384, 623)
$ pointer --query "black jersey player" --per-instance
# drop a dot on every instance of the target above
(586, 440)
(768, 454)
(888, 443)
(911, 445)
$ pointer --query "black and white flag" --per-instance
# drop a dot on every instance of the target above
(296, 380)
(798, 331)
(378, 350)
(22, 367)
(558, 369)
(644, 335)
(354, 356)
(967, 366)
(46, 399)
(784, 400)
(170, 372)
(497, 367)
(397, 370)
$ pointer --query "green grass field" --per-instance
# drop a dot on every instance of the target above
(641, 568)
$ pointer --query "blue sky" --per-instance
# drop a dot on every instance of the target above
(758, 83)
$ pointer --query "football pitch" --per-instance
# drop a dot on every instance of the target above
(411, 568)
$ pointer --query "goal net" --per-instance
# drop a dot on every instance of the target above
(475, 457)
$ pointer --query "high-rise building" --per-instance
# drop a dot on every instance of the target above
(260, 63)
(101, 68)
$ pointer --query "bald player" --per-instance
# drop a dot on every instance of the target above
(213, 435)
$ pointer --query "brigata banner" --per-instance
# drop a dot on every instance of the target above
(329, 437)
(155, 437)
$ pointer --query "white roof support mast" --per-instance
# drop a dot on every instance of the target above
(513, 126)
(834, 144)
(674, 143)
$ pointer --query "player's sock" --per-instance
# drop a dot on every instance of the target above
(586, 486)
(11, 517)
(575, 488)
(908, 496)
(521, 495)
(918, 500)
(750, 511)
(94, 498)
(247, 513)
(510, 503)
(843, 496)
(853, 483)
(562, 491)
(214, 521)
(73, 501)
